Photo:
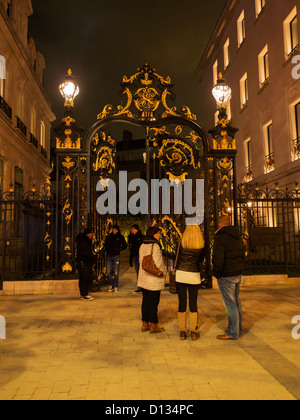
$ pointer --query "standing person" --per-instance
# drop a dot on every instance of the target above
(135, 240)
(228, 264)
(190, 255)
(85, 260)
(114, 244)
(151, 285)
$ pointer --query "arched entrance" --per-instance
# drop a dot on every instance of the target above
(199, 173)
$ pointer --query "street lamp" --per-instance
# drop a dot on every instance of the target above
(69, 89)
(222, 93)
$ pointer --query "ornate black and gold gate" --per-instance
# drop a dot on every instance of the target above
(176, 148)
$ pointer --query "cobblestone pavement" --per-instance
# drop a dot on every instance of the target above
(59, 347)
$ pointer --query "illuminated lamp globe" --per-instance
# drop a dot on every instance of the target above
(221, 92)
(69, 89)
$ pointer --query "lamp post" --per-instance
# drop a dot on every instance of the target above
(224, 151)
(69, 89)
(222, 93)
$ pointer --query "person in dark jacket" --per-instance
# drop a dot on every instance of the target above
(85, 260)
(114, 244)
(228, 264)
(190, 255)
(135, 240)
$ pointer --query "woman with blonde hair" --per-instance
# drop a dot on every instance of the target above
(190, 255)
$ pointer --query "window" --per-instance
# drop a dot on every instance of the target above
(290, 32)
(295, 108)
(226, 54)
(20, 104)
(32, 121)
(248, 160)
(268, 139)
(43, 135)
(244, 92)
(259, 5)
(215, 73)
(1, 175)
(294, 33)
(2, 75)
(241, 28)
(263, 66)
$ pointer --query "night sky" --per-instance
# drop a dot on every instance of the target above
(101, 41)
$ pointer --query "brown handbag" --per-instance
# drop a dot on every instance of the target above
(149, 266)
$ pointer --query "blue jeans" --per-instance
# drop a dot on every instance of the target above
(230, 290)
(113, 263)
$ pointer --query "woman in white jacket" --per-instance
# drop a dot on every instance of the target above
(151, 286)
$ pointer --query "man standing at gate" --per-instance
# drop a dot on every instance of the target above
(228, 264)
(135, 240)
(114, 244)
(85, 260)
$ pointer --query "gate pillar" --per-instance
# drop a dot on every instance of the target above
(72, 162)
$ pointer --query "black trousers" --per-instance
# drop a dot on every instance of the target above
(85, 272)
(150, 305)
(183, 289)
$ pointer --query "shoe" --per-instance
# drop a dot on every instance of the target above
(154, 328)
(182, 335)
(111, 289)
(87, 297)
(224, 337)
(137, 291)
(195, 335)
(116, 289)
(145, 326)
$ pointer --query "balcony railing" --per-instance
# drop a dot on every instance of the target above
(5, 108)
(33, 140)
(21, 126)
(44, 152)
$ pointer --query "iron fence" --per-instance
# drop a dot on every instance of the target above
(27, 231)
(269, 220)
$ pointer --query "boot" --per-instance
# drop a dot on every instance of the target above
(195, 335)
(145, 326)
(155, 328)
(182, 325)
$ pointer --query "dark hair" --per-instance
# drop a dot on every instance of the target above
(152, 230)
(87, 231)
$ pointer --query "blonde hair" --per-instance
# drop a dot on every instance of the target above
(192, 237)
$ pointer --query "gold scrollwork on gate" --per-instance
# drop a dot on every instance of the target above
(146, 90)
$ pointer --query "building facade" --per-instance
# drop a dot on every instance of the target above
(25, 110)
(255, 45)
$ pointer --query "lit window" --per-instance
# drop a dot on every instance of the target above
(215, 73)
(20, 104)
(241, 28)
(226, 54)
(268, 140)
(259, 5)
(291, 35)
(248, 160)
(32, 121)
(43, 135)
(244, 95)
(263, 66)
(295, 116)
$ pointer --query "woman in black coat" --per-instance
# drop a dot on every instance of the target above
(188, 278)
